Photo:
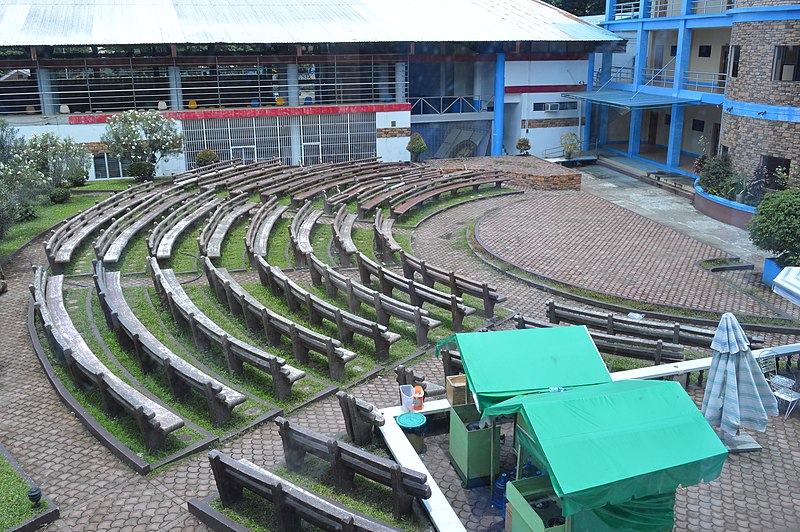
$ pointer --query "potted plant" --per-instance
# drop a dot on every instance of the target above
(775, 227)
(524, 146)
(206, 157)
(416, 145)
(569, 141)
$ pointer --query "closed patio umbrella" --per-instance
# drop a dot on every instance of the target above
(787, 284)
(737, 395)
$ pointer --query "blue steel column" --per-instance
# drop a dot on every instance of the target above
(499, 104)
(587, 107)
(639, 79)
(293, 96)
(675, 136)
(635, 132)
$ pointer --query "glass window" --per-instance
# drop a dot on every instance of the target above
(698, 125)
(772, 164)
(538, 107)
(704, 51)
(785, 66)
(667, 119)
(737, 50)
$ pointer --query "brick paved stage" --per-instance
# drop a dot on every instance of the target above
(757, 491)
(586, 241)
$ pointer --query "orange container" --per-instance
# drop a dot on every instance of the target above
(419, 398)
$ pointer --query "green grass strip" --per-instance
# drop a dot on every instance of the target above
(134, 256)
(321, 241)
(15, 508)
(159, 322)
(106, 184)
(185, 255)
(278, 245)
(233, 254)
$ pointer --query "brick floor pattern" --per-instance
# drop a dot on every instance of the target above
(95, 491)
(586, 241)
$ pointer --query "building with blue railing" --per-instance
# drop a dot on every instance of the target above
(716, 73)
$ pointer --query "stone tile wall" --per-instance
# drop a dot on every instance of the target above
(750, 138)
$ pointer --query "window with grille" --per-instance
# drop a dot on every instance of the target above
(106, 166)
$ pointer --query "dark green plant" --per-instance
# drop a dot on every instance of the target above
(524, 145)
(416, 146)
(141, 171)
(716, 175)
(206, 157)
(59, 195)
(776, 226)
(756, 186)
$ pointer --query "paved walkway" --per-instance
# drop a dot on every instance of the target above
(97, 492)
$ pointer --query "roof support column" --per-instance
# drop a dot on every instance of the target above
(675, 136)
(587, 107)
(682, 57)
(293, 93)
(400, 81)
(293, 86)
(499, 104)
(47, 98)
(175, 90)
(635, 134)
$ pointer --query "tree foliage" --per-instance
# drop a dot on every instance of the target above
(416, 145)
(580, 7)
(206, 157)
(776, 226)
(63, 160)
(143, 136)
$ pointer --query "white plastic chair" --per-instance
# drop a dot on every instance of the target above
(782, 387)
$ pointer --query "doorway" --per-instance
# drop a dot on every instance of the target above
(652, 129)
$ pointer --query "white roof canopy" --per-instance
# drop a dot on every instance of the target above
(99, 22)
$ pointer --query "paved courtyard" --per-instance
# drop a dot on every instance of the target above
(757, 491)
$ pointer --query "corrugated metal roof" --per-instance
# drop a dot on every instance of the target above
(630, 99)
(83, 22)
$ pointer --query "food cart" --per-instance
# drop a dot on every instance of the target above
(612, 453)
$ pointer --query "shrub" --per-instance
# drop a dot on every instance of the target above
(206, 157)
(416, 145)
(776, 226)
(524, 145)
(59, 195)
(756, 185)
(716, 175)
(569, 141)
(141, 170)
(143, 136)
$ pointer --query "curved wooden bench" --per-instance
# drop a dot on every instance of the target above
(191, 177)
(300, 232)
(259, 317)
(347, 323)
(347, 460)
(419, 293)
(206, 332)
(456, 283)
(164, 236)
(257, 236)
(357, 173)
(111, 244)
(243, 174)
(358, 294)
(369, 202)
(155, 421)
(70, 235)
(388, 173)
(656, 350)
(213, 233)
(343, 235)
(181, 376)
(418, 197)
(385, 244)
(293, 504)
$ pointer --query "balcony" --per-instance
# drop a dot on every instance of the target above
(617, 74)
(658, 77)
(439, 105)
(708, 7)
(627, 10)
(713, 82)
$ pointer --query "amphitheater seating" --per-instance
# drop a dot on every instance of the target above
(347, 323)
(358, 294)
(370, 187)
(385, 244)
(206, 333)
(475, 181)
(419, 293)
(259, 317)
(213, 233)
(257, 236)
(343, 235)
(181, 376)
(242, 174)
(360, 418)
(164, 236)
(300, 232)
(67, 238)
(293, 504)
(456, 283)
(154, 421)
(193, 176)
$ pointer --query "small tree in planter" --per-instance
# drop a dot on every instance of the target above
(569, 141)
(206, 157)
(776, 226)
(143, 136)
(416, 146)
(524, 145)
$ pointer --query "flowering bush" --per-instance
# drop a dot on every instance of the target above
(143, 136)
(63, 160)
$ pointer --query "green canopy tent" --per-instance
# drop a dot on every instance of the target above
(616, 452)
(503, 364)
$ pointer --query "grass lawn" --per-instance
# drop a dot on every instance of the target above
(46, 216)
(185, 255)
(233, 256)
(107, 184)
(321, 243)
(277, 246)
(15, 508)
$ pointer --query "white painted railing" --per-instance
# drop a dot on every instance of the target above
(705, 81)
(706, 7)
(627, 10)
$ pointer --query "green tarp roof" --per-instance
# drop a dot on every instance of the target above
(503, 364)
(613, 442)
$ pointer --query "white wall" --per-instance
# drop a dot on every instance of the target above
(521, 73)
(714, 37)
(393, 149)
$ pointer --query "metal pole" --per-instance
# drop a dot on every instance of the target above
(491, 460)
